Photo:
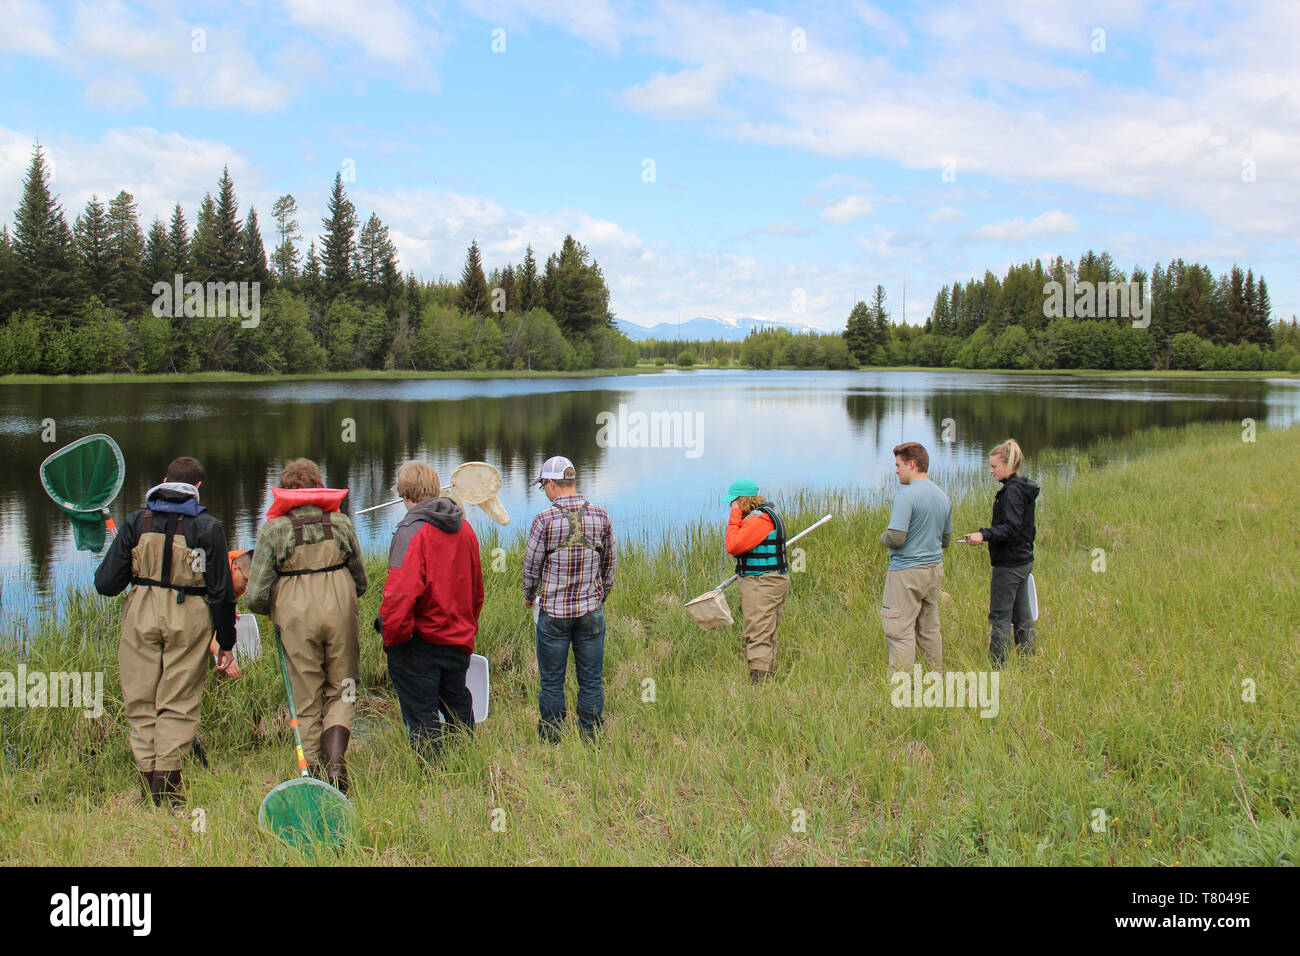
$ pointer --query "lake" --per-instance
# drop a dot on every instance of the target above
(818, 430)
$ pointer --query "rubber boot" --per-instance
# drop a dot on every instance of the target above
(758, 677)
(146, 778)
(168, 786)
(333, 745)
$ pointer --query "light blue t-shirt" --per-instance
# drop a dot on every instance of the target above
(925, 513)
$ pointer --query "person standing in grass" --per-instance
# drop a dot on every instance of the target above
(429, 615)
(307, 575)
(173, 554)
(920, 527)
(756, 539)
(569, 571)
(1011, 551)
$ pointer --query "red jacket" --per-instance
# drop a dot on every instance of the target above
(435, 579)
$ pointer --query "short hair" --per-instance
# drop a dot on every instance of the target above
(915, 452)
(301, 473)
(243, 561)
(417, 481)
(570, 478)
(185, 469)
(1010, 452)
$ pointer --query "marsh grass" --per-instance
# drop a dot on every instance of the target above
(1133, 705)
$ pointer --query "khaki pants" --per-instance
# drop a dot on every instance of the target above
(909, 613)
(761, 599)
(162, 660)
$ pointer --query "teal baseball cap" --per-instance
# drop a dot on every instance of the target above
(741, 488)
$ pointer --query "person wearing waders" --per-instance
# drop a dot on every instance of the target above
(569, 571)
(756, 539)
(307, 575)
(173, 554)
(1011, 551)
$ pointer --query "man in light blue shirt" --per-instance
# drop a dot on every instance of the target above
(920, 527)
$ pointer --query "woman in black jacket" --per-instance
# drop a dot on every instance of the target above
(1011, 549)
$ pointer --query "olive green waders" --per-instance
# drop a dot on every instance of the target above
(314, 603)
(162, 655)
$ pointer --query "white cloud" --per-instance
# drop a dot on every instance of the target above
(1051, 223)
(945, 214)
(684, 95)
(28, 28)
(847, 209)
(387, 32)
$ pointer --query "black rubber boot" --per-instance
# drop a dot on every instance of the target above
(146, 780)
(168, 786)
(333, 745)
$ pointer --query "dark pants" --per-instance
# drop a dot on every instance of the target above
(429, 678)
(555, 635)
(1008, 608)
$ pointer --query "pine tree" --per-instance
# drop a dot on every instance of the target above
(1237, 320)
(860, 332)
(94, 258)
(284, 260)
(1262, 326)
(527, 285)
(203, 254)
(158, 264)
(252, 254)
(126, 254)
(43, 247)
(377, 259)
(338, 243)
(227, 244)
(178, 242)
(8, 274)
(472, 295)
(311, 273)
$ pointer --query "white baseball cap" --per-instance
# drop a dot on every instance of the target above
(553, 468)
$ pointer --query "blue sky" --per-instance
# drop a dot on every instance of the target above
(798, 150)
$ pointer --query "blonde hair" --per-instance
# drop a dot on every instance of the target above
(417, 481)
(747, 503)
(1010, 452)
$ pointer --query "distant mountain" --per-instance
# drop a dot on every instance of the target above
(702, 329)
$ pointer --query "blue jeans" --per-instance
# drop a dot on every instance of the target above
(429, 678)
(555, 635)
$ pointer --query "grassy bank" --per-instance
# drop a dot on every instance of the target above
(1133, 705)
(116, 378)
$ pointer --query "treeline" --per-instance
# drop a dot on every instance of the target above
(79, 298)
(1191, 321)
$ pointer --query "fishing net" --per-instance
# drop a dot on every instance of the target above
(86, 476)
(711, 610)
(306, 813)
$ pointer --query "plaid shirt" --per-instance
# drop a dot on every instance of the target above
(574, 580)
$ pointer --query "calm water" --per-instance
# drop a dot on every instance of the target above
(819, 430)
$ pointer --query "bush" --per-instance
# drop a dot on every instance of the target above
(685, 358)
(660, 363)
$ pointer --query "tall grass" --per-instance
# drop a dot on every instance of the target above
(1133, 706)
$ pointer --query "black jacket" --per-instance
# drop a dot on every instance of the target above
(1011, 536)
(200, 531)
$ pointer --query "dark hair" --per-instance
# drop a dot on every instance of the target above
(913, 451)
(185, 469)
(301, 473)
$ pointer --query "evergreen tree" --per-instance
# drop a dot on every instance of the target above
(178, 242)
(312, 280)
(94, 258)
(43, 246)
(376, 259)
(284, 260)
(1237, 320)
(252, 254)
(8, 275)
(203, 255)
(472, 294)
(228, 241)
(126, 254)
(338, 243)
(158, 264)
(527, 284)
(510, 294)
(860, 333)
(1262, 326)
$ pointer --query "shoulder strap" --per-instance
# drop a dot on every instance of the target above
(300, 521)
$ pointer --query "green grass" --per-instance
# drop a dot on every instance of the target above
(1134, 705)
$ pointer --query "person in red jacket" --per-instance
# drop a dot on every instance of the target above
(429, 614)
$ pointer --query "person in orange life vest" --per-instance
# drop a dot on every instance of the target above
(307, 575)
(756, 538)
(241, 560)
